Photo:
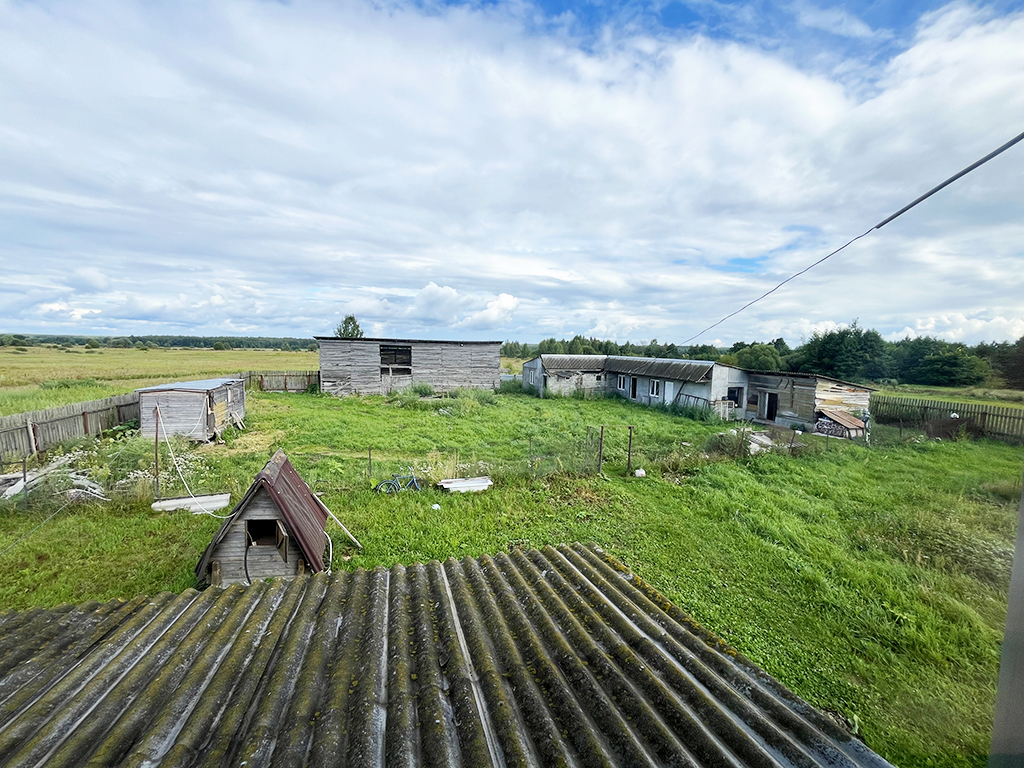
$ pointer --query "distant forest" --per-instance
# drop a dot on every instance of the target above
(151, 342)
(852, 354)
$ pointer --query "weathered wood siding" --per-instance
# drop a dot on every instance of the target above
(352, 366)
(281, 381)
(796, 404)
(263, 561)
(195, 415)
(23, 434)
(181, 413)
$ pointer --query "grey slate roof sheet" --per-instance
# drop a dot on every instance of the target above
(589, 363)
(553, 657)
(661, 367)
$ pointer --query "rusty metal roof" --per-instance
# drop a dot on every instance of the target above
(301, 512)
(553, 657)
(845, 418)
(578, 363)
(661, 367)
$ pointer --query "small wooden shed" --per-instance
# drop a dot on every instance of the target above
(199, 410)
(277, 529)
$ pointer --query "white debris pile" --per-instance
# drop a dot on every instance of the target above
(57, 471)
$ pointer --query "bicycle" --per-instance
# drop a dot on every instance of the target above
(396, 484)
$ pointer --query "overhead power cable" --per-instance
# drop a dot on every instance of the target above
(881, 224)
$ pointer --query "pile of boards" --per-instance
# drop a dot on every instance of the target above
(13, 483)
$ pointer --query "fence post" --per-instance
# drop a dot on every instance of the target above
(371, 462)
(531, 457)
(600, 451)
(24, 478)
(85, 422)
(31, 438)
(629, 452)
(156, 452)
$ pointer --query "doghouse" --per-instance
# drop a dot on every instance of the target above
(277, 529)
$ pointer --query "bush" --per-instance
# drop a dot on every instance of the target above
(68, 383)
(511, 387)
(422, 388)
(485, 397)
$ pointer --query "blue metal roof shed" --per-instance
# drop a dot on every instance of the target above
(198, 410)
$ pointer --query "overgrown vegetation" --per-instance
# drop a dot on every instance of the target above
(871, 581)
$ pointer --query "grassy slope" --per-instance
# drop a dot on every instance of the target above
(871, 582)
(104, 372)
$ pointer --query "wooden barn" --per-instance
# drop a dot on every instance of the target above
(379, 366)
(198, 410)
(277, 529)
(805, 400)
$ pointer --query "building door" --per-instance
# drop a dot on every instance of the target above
(773, 406)
(632, 387)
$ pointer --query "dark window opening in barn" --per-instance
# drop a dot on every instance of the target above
(262, 533)
(598, 377)
(736, 395)
(395, 360)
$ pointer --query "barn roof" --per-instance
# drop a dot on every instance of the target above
(304, 515)
(661, 367)
(580, 363)
(203, 385)
(844, 418)
(529, 658)
(804, 375)
(403, 341)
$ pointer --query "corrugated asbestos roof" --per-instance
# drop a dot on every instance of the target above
(302, 513)
(203, 385)
(404, 341)
(553, 657)
(581, 363)
(661, 367)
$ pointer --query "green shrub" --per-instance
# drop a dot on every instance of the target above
(512, 387)
(485, 397)
(422, 388)
(68, 383)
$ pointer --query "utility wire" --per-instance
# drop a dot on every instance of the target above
(881, 224)
(48, 519)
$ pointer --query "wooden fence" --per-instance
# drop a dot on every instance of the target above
(998, 422)
(281, 381)
(26, 433)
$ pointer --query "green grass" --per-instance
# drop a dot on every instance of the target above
(1013, 398)
(871, 581)
(44, 377)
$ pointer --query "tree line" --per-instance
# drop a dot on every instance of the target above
(851, 353)
(152, 342)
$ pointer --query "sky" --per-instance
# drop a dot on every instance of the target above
(509, 170)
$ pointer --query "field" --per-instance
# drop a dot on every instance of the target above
(871, 581)
(984, 395)
(44, 377)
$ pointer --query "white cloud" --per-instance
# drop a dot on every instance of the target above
(273, 167)
(834, 20)
(435, 304)
(497, 314)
